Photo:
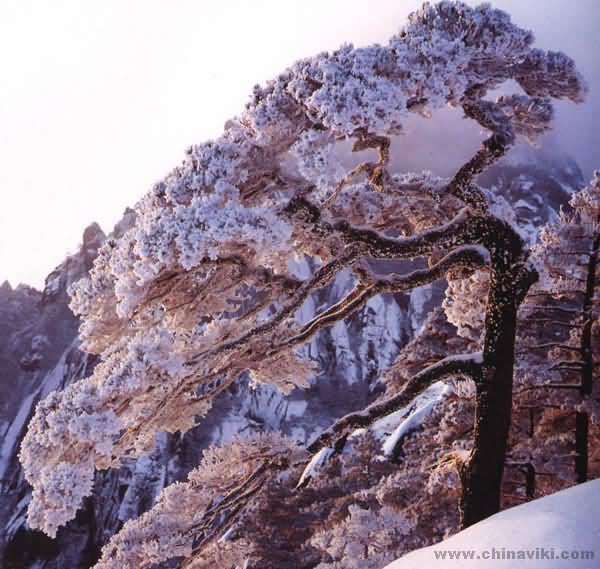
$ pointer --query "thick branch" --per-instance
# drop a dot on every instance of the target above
(489, 115)
(550, 345)
(465, 229)
(321, 278)
(467, 256)
(469, 366)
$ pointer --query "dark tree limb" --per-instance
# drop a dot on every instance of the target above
(321, 278)
(466, 256)
(466, 366)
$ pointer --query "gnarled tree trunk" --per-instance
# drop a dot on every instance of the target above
(482, 475)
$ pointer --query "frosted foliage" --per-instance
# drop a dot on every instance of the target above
(465, 303)
(561, 254)
(58, 494)
(93, 298)
(82, 423)
(366, 539)
(317, 161)
(358, 90)
(552, 251)
(165, 532)
(446, 474)
(464, 387)
(290, 369)
(201, 226)
(409, 204)
(444, 50)
(530, 117)
(200, 289)
(586, 202)
(183, 237)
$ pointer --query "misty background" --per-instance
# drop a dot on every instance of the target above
(99, 100)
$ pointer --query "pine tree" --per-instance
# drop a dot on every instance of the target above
(559, 344)
(199, 291)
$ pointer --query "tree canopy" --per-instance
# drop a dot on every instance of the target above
(201, 288)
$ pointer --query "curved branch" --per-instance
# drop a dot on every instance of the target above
(375, 171)
(470, 256)
(321, 278)
(468, 365)
(465, 228)
(491, 117)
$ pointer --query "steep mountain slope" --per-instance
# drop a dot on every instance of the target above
(39, 354)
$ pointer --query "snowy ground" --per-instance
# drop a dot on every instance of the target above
(535, 535)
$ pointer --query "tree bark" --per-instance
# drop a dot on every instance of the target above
(581, 446)
(482, 474)
(587, 370)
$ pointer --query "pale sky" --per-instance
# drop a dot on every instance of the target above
(99, 99)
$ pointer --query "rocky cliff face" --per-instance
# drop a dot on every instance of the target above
(536, 182)
(39, 353)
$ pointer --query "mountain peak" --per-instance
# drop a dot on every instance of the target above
(93, 237)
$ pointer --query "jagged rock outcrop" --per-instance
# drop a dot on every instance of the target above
(536, 182)
(38, 354)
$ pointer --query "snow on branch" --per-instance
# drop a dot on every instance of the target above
(468, 366)
(467, 256)
(414, 420)
(464, 229)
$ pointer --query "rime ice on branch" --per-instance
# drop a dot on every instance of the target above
(190, 514)
(199, 290)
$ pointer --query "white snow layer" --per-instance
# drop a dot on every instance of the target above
(560, 531)
(393, 427)
(317, 461)
(424, 407)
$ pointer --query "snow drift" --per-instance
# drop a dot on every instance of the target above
(560, 531)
